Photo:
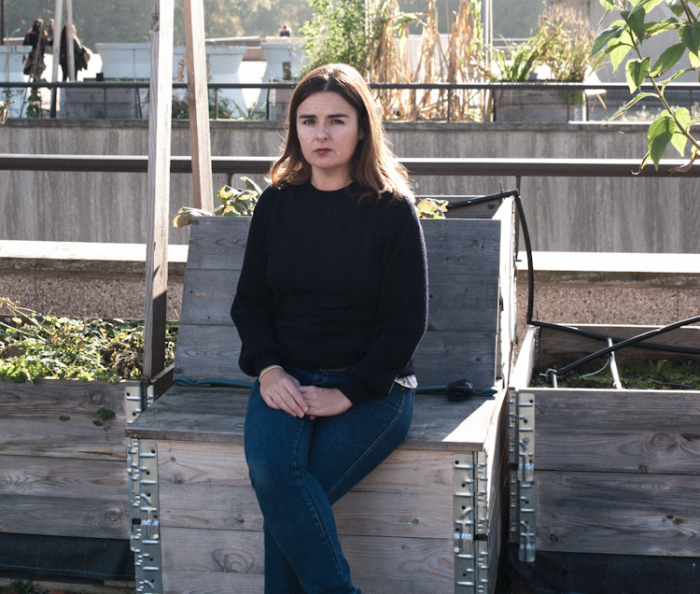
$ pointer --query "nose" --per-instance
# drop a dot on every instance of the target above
(321, 131)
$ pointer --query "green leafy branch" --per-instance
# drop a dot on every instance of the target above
(627, 36)
(234, 203)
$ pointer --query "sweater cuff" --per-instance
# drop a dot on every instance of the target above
(266, 360)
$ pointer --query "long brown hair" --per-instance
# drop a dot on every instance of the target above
(373, 166)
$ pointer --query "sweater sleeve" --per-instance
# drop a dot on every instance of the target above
(403, 307)
(253, 308)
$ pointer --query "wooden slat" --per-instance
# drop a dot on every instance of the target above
(52, 478)
(214, 414)
(159, 135)
(401, 515)
(57, 418)
(441, 357)
(217, 243)
(405, 471)
(455, 246)
(413, 565)
(560, 348)
(66, 516)
(198, 103)
(626, 430)
(457, 302)
(618, 513)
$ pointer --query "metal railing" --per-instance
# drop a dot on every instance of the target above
(513, 167)
(686, 94)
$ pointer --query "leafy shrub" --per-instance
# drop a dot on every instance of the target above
(34, 346)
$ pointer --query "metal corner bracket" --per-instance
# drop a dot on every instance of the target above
(522, 483)
(471, 523)
(144, 508)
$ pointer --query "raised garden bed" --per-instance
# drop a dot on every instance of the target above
(63, 449)
(606, 470)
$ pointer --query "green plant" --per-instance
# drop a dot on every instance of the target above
(234, 203)
(338, 31)
(562, 45)
(34, 346)
(627, 36)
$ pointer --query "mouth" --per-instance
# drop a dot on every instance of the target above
(322, 151)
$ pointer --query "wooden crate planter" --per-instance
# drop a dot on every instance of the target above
(538, 105)
(62, 474)
(603, 471)
(427, 521)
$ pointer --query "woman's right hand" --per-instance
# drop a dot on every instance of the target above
(281, 391)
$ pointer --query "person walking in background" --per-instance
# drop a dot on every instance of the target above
(285, 31)
(38, 39)
(331, 304)
(81, 55)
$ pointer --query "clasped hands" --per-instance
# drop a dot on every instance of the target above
(283, 392)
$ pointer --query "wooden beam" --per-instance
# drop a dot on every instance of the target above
(70, 50)
(198, 103)
(58, 23)
(159, 138)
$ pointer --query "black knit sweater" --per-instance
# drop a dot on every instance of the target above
(333, 282)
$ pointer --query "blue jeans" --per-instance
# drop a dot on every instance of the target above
(299, 468)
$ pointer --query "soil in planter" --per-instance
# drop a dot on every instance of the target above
(659, 375)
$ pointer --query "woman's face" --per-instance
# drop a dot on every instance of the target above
(328, 130)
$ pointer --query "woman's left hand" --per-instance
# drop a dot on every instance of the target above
(324, 402)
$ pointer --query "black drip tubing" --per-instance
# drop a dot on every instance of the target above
(618, 343)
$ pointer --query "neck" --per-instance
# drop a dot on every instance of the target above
(330, 183)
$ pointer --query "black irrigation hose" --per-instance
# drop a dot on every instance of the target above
(618, 342)
(628, 342)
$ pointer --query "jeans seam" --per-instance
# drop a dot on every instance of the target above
(373, 445)
(312, 508)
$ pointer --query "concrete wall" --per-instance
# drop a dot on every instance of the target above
(564, 214)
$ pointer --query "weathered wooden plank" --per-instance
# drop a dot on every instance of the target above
(178, 581)
(217, 243)
(63, 478)
(455, 246)
(216, 414)
(66, 516)
(507, 307)
(629, 514)
(441, 357)
(198, 104)
(656, 431)
(58, 418)
(560, 348)
(522, 372)
(223, 464)
(457, 302)
(444, 357)
(405, 515)
(159, 136)
(390, 564)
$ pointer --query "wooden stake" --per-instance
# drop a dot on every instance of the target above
(58, 23)
(70, 50)
(198, 103)
(159, 138)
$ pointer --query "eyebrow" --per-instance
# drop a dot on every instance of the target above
(332, 115)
